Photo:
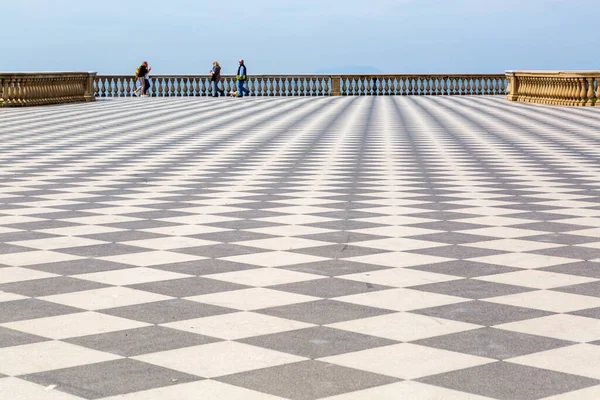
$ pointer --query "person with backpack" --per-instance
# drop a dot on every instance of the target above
(242, 77)
(141, 76)
(215, 78)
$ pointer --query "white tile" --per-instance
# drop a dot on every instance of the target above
(582, 360)
(119, 210)
(290, 230)
(592, 393)
(513, 245)
(296, 219)
(401, 299)
(54, 243)
(219, 359)
(282, 243)
(265, 277)
(131, 276)
(548, 300)
(152, 258)
(397, 220)
(398, 244)
(110, 297)
(495, 221)
(198, 219)
(398, 259)
(184, 230)
(17, 274)
(503, 232)
(81, 230)
(252, 299)
(523, 260)
(206, 390)
(407, 361)
(239, 325)
(407, 390)
(18, 389)
(35, 257)
(101, 220)
(274, 259)
(396, 231)
(559, 326)
(400, 277)
(536, 279)
(4, 297)
(47, 356)
(404, 327)
(73, 325)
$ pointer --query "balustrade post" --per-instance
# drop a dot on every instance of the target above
(335, 85)
(513, 86)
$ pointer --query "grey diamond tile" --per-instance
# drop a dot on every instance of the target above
(76, 267)
(345, 225)
(103, 250)
(163, 312)
(334, 267)
(220, 250)
(23, 236)
(39, 225)
(493, 343)
(482, 313)
(110, 378)
(457, 251)
(450, 226)
(50, 286)
(206, 267)
(10, 338)
(583, 268)
(452, 238)
(585, 289)
(472, 289)
(339, 251)
(552, 227)
(123, 236)
(19, 310)
(341, 237)
(317, 342)
(329, 287)
(188, 287)
(134, 342)
(506, 381)
(142, 224)
(323, 312)
(308, 380)
(577, 253)
(589, 313)
(10, 248)
(232, 236)
(465, 268)
(562, 238)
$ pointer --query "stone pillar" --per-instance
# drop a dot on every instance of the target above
(513, 86)
(335, 85)
(89, 91)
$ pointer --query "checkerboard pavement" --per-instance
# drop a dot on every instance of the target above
(300, 248)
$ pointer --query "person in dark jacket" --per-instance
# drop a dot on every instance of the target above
(242, 77)
(215, 78)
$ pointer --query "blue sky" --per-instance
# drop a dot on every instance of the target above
(299, 36)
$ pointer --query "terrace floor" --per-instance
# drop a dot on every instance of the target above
(300, 248)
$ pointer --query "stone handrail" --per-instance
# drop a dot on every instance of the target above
(42, 88)
(562, 88)
(310, 85)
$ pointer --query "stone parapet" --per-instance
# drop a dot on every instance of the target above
(19, 89)
(560, 88)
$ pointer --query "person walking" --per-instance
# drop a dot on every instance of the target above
(215, 78)
(242, 77)
(141, 75)
(147, 80)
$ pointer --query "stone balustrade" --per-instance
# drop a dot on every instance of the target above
(43, 88)
(561, 88)
(309, 85)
